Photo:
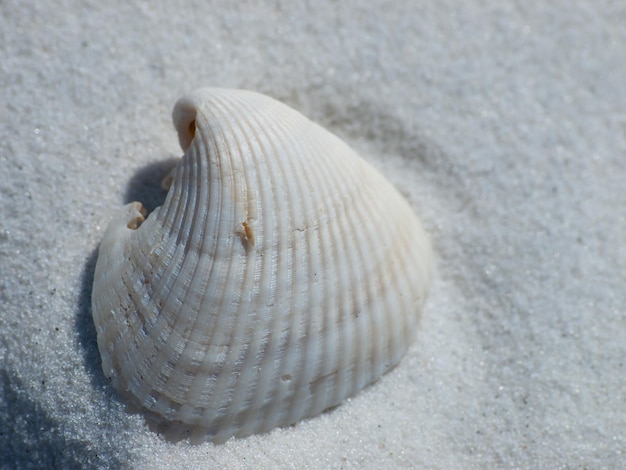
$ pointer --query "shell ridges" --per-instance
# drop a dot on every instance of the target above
(281, 275)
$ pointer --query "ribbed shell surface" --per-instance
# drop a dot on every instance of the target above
(281, 275)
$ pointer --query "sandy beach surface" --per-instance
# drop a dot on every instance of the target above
(502, 122)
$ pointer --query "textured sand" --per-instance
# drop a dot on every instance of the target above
(505, 126)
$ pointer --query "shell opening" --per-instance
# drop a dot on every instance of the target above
(184, 117)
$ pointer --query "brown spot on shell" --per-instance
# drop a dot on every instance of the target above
(246, 233)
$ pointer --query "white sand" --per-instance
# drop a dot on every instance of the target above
(504, 125)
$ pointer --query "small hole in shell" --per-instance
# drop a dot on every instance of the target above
(286, 378)
(192, 128)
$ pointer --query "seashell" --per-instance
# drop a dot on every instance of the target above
(281, 275)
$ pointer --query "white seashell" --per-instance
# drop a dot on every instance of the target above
(281, 275)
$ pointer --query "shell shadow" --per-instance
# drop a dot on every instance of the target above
(85, 328)
(145, 185)
(32, 438)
